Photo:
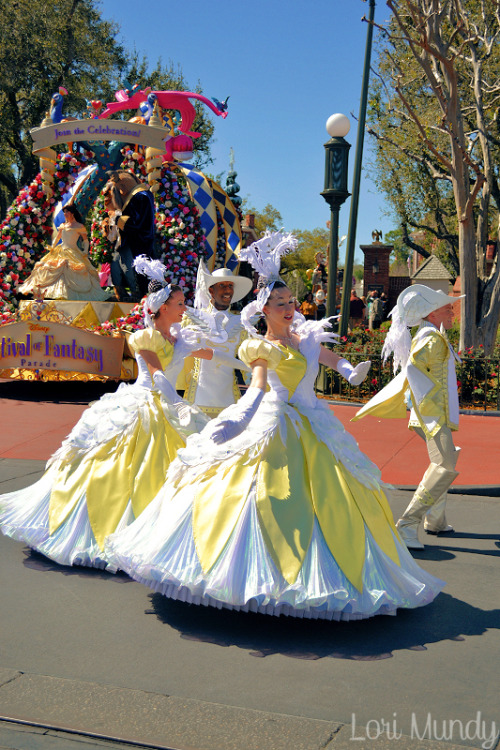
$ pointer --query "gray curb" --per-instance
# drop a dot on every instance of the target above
(111, 714)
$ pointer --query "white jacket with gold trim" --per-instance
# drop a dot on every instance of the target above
(212, 384)
(431, 379)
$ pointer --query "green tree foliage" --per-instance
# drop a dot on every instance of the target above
(401, 252)
(310, 242)
(434, 113)
(267, 220)
(358, 272)
(45, 45)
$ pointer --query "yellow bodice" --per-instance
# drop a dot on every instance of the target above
(288, 363)
(151, 340)
(291, 369)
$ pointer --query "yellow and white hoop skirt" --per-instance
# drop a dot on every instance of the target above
(287, 518)
(109, 467)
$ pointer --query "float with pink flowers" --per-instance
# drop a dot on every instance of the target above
(58, 338)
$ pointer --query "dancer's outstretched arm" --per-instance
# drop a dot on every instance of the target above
(353, 375)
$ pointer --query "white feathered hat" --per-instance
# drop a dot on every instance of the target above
(417, 301)
(264, 256)
(154, 270)
(413, 305)
(205, 279)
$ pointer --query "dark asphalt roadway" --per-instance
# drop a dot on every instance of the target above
(98, 652)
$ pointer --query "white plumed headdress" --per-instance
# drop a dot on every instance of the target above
(154, 270)
(264, 256)
(412, 306)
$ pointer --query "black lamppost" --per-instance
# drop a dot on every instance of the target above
(335, 193)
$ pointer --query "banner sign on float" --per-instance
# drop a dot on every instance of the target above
(98, 130)
(40, 345)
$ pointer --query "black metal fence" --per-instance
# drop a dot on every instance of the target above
(478, 382)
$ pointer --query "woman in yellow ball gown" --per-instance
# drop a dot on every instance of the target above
(65, 272)
(273, 508)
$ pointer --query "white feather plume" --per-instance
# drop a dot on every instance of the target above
(397, 341)
(153, 269)
(265, 254)
(202, 295)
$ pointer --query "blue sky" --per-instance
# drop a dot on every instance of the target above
(286, 66)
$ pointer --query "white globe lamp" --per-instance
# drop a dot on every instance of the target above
(337, 126)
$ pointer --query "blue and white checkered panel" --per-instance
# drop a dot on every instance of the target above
(233, 242)
(201, 194)
(231, 223)
(232, 263)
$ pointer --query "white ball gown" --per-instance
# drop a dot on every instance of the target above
(288, 518)
(65, 272)
(110, 466)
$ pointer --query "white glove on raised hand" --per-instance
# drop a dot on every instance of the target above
(231, 428)
(353, 375)
(168, 391)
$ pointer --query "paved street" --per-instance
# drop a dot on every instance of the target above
(98, 652)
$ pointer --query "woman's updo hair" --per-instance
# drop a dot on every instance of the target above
(155, 286)
(277, 285)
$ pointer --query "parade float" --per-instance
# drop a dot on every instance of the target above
(58, 339)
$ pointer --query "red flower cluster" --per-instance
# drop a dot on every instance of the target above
(27, 227)
(128, 324)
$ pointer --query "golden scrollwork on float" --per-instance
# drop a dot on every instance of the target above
(41, 310)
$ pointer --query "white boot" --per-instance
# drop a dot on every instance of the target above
(435, 518)
(410, 521)
(433, 486)
(409, 534)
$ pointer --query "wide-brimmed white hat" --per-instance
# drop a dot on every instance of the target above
(413, 305)
(320, 296)
(205, 279)
(242, 284)
(417, 301)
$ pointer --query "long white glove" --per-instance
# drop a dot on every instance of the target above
(167, 389)
(224, 358)
(353, 375)
(247, 406)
